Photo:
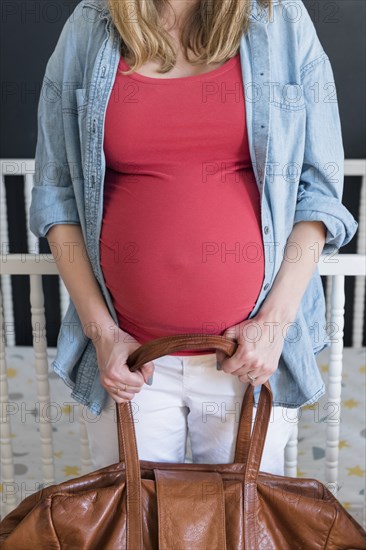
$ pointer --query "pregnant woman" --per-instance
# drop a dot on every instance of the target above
(186, 195)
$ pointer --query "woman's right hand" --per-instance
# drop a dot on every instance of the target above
(112, 351)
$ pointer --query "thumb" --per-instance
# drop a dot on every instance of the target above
(220, 356)
(231, 334)
(147, 370)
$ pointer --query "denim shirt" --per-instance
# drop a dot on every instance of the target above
(296, 149)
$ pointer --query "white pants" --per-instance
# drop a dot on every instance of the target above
(188, 396)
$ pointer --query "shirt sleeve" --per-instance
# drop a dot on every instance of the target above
(53, 198)
(321, 183)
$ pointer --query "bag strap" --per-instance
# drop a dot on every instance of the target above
(128, 449)
(254, 454)
(249, 447)
(170, 344)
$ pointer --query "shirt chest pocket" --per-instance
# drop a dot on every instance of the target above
(287, 96)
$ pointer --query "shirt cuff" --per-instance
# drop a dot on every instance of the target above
(51, 205)
(341, 225)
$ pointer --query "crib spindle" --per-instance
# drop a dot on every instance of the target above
(360, 282)
(334, 386)
(42, 381)
(291, 450)
(10, 496)
(9, 332)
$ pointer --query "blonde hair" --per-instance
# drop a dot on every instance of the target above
(212, 30)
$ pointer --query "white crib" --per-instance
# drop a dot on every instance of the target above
(36, 265)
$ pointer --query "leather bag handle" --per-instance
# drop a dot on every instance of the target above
(249, 447)
(171, 344)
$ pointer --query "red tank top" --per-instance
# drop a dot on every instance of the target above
(181, 248)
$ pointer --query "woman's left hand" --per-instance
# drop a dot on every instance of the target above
(260, 343)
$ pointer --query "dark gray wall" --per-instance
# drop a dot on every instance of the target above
(342, 30)
(30, 30)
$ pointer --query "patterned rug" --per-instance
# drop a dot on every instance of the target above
(24, 420)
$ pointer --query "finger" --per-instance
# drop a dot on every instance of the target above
(120, 385)
(115, 371)
(125, 376)
(147, 370)
(231, 333)
(121, 396)
(234, 364)
(257, 382)
(112, 384)
(121, 400)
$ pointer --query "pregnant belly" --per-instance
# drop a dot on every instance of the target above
(173, 270)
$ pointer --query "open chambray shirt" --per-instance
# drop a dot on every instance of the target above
(296, 150)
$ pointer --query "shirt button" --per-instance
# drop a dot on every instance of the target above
(266, 286)
(266, 229)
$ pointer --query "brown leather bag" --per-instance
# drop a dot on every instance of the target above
(144, 505)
